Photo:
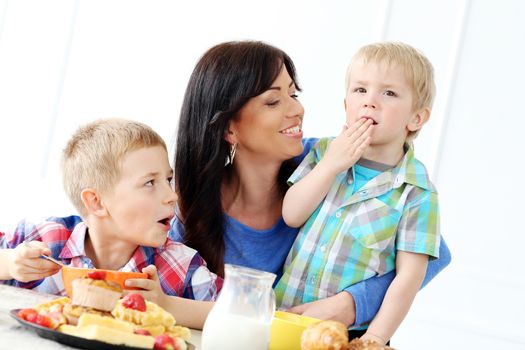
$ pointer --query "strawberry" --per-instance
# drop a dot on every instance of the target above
(164, 342)
(142, 332)
(97, 275)
(28, 315)
(46, 321)
(134, 301)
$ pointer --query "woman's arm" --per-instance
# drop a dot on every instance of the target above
(369, 294)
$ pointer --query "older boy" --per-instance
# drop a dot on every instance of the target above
(375, 216)
(117, 174)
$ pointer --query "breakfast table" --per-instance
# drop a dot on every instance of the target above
(16, 337)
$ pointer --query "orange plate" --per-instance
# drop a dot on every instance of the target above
(70, 273)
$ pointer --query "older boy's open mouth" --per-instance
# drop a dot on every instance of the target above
(165, 221)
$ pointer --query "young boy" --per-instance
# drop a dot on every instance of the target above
(117, 174)
(379, 214)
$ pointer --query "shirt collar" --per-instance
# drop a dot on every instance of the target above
(74, 246)
(409, 170)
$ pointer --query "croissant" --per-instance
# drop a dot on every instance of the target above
(325, 335)
(333, 335)
(358, 344)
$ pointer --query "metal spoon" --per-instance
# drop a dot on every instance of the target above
(52, 260)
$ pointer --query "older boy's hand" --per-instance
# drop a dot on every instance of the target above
(340, 307)
(346, 149)
(25, 264)
(151, 289)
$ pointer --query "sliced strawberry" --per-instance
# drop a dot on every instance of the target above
(134, 301)
(28, 315)
(97, 275)
(164, 342)
(142, 332)
(46, 321)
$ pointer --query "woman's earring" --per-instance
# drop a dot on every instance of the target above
(229, 158)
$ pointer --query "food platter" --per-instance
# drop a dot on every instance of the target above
(78, 342)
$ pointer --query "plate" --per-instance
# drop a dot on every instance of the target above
(71, 340)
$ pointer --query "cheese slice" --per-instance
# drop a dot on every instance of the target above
(109, 335)
(109, 330)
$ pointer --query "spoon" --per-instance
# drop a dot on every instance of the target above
(52, 260)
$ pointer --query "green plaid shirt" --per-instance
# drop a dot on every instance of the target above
(354, 236)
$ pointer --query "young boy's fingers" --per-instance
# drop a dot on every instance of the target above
(354, 127)
(33, 249)
(141, 283)
(39, 265)
(359, 138)
(151, 270)
(359, 128)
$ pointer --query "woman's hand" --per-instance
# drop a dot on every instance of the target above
(346, 149)
(340, 307)
(25, 265)
(150, 288)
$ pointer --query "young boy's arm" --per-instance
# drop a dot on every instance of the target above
(417, 238)
(410, 272)
(359, 304)
(23, 263)
(303, 197)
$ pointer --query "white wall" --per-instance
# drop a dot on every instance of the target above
(64, 62)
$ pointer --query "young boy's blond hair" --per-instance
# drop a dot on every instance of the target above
(418, 70)
(92, 157)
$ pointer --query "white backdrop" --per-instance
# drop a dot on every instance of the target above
(64, 62)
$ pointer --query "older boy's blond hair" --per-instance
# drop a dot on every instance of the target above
(93, 155)
(418, 69)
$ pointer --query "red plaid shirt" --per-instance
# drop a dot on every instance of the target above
(182, 271)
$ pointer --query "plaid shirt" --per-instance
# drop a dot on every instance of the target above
(181, 270)
(354, 236)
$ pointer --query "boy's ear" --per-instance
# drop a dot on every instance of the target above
(419, 119)
(93, 202)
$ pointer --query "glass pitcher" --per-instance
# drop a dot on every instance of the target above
(243, 313)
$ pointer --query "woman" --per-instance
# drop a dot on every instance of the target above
(241, 109)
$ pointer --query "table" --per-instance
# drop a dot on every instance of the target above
(15, 336)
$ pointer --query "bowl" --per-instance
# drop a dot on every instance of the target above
(286, 330)
(70, 273)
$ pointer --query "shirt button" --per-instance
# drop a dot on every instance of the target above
(312, 279)
(338, 214)
(323, 248)
(363, 193)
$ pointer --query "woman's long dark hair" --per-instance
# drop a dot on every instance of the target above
(224, 79)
